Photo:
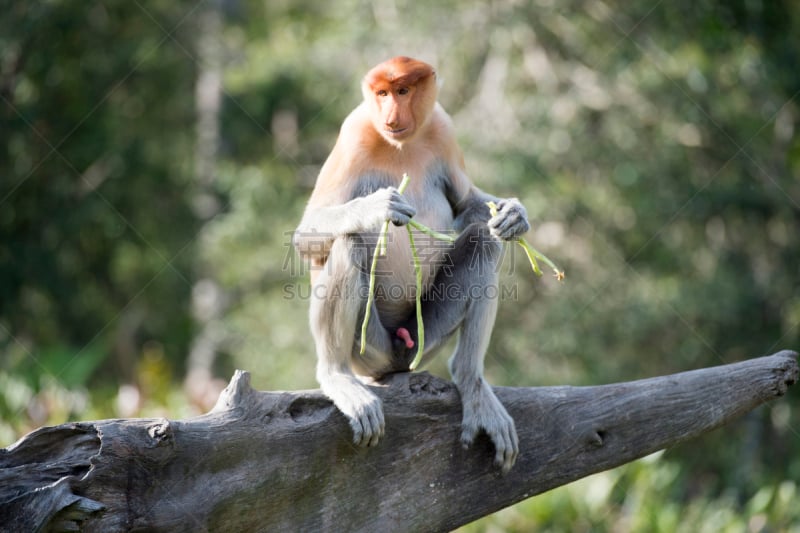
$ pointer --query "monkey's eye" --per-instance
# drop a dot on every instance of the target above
(402, 91)
(382, 93)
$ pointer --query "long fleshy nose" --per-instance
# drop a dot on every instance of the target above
(392, 120)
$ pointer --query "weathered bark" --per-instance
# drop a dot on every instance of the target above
(267, 461)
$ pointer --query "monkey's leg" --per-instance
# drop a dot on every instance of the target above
(337, 300)
(466, 299)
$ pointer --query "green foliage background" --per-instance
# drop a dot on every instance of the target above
(655, 145)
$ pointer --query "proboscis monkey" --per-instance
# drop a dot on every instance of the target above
(400, 128)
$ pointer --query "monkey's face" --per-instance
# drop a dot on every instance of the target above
(401, 93)
(394, 117)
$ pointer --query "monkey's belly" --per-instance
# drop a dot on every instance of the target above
(395, 282)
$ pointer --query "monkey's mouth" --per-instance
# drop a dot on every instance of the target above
(396, 133)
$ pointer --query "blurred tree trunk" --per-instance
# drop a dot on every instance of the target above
(207, 294)
(284, 461)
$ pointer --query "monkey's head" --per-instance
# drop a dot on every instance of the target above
(401, 94)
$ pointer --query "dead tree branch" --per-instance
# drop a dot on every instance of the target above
(274, 461)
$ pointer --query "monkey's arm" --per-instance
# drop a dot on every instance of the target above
(321, 225)
(470, 203)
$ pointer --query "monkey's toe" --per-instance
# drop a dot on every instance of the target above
(506, 449)
(368, 426)
(468, 434)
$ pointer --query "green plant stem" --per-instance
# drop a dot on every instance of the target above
(420, 325)
(435, 234)
(534, 254)
(380, 249)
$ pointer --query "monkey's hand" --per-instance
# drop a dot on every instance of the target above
(482, 410)
(511, 220)
(360, 405)
(386, 204)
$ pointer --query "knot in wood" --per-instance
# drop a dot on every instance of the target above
(160, 432)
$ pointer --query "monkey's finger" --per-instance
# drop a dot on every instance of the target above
(513, 450)
(512, 208)
(505, 215)
(509, 206)
(468, 434)
(505, 461)
(510, 226)
(500, 458)
(399, 219)
(493, 225)
(400, 211)
(509, 455)
(501, 228)
(402, 206)
(515, 230)
(510, 216)
(510, 203)
(500, 223)
(510, 460)
(364, 432)
(506, 449)
(376, 427)
(358, 431)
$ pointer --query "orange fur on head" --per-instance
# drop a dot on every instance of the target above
(401, 94)
(397, 72)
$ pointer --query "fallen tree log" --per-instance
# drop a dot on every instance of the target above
(283, 461)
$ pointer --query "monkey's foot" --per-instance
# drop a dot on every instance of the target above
(360, 405)
(482, 410)
(405, 336)
(366, 420)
